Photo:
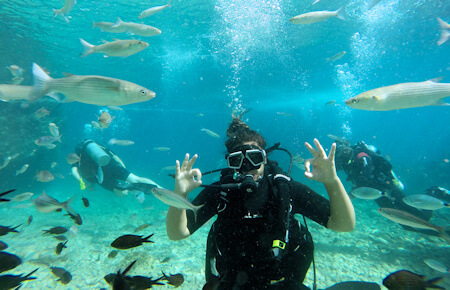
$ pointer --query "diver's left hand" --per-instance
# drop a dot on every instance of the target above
(324, 169)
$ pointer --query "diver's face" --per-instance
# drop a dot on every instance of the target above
(257, 173)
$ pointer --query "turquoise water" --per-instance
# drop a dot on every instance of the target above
(213, 57)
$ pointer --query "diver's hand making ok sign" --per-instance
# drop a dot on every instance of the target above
(186, 178)
(323, 168)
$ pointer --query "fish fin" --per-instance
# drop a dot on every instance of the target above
(118, 22)
(128, 268)
(68, 205)
(441, 103)
(54, 95)
(40, 87)
(445, 35)
(56, 12)
(442, 23)
(66, 74)
(87, 48)
(430, 283)
(340, 13)
(436, 80)
(145, 240)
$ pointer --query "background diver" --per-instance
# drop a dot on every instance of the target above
(256, 243)
(366, 167)
(99, 165)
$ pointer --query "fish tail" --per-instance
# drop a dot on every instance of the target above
(145, 240)
(59, 138)
(88, 48)
(29, 274)
(40, 87)
(445, 35)
(195, 210)
(67, 205)
(442, 23)
(431, 283)
(168, 4)
(443, 233)
(340, 13)
(56, 12)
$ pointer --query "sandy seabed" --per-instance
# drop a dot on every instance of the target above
(374, 249)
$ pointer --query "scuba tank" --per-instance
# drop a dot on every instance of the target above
(100, 157)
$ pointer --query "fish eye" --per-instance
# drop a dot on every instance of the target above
(143, 92)
(355, 101)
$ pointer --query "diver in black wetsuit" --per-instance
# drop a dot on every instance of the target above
(99, 165)
(256, 243)
(365, 167)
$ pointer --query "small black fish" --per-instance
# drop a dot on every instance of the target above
(30, 219)
(119, 282)
(214, 282)
(112, 254)
(6, 230)
(3, 246)
(60, 247)
(174, 280)
(8, 261)
(85, 201)
(64, 276)
(142, 282)
(55, 231)
(61, 238)
(76, 218)
(12, 281)
(407, 280)
(5, 193)
(129, 241)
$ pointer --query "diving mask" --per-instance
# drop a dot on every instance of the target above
(250, 156)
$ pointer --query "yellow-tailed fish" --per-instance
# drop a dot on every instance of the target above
(402, 96)
(90, 89)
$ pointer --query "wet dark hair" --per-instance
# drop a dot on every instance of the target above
(238, 133)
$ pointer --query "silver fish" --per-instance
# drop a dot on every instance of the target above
(402, 96)
(121, 48)
(407, 219)
(22, 169)
(137, 28)
(22, 197)
(437, 266)
(336, 56)
(109, 27)
(153, 10)
(367, 193)
(210, 133)
(45, 203)
(423, 201)
(171, 198)
(17, 71)
(317, 16)
(68, 5)
(90, 89)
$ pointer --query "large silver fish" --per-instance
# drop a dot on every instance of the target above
(407, 219)
(402, 96)
(45, 203)
(171, 198)
(91, 89)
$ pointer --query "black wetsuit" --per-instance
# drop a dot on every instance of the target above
(366, 168)
(112, 172)
(240, 240)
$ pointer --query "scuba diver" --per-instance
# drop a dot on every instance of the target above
(99, 165)
(365, 167)
(256, 243)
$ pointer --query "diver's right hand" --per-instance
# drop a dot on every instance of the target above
(186, 178)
